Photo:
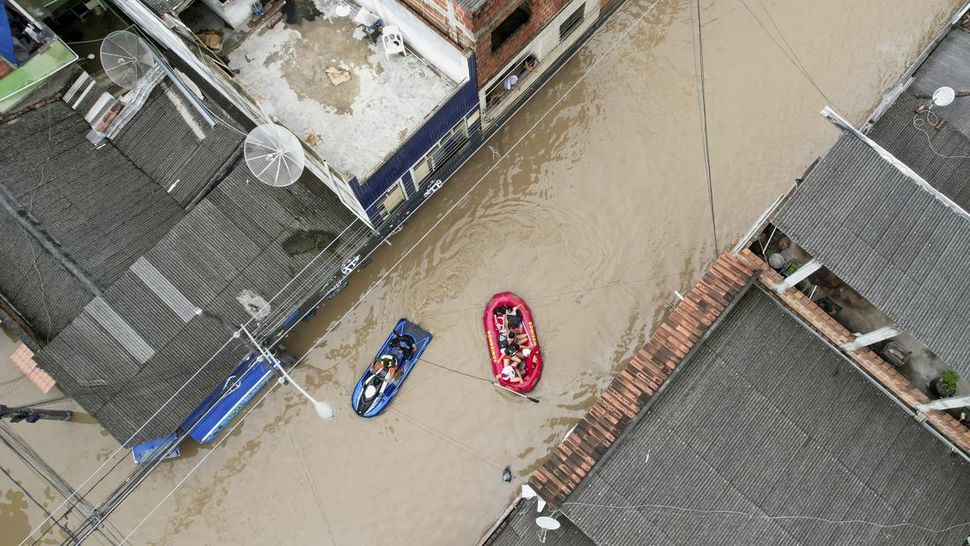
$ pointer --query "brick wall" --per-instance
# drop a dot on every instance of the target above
(474, 30)
(437, 13)
(494, 12)
(642, 376)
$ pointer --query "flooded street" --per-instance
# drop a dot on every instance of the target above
(595, 217)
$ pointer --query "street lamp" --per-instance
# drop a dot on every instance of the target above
(323, 409)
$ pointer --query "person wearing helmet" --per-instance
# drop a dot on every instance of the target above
(383, 365)
(404, 345)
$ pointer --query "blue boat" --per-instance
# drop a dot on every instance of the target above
(228, 399)
(374, 391)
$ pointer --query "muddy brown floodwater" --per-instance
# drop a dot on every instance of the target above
(595, 218)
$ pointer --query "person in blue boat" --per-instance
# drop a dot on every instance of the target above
(399, 350)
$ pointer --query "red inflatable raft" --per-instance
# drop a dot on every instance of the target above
(502, 309)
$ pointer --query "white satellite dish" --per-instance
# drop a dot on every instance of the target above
(547, 523)
(274, 155)
(125, 57)
(944, 96)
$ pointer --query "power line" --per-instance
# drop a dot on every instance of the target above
(23, 489)
(750, 515)
(792, 58)
(421, 239)
(698, 43)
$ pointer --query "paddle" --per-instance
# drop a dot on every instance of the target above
(529, 398)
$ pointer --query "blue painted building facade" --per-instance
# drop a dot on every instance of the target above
(431, 153)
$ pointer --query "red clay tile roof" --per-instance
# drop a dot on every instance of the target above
(641, 378)
(647, 370)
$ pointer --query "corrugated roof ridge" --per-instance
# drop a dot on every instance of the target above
(640, 378)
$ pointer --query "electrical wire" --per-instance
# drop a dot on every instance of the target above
(698, 44)
(6, 473)
(175, 394)
(750, 515)
(933, 120)
(789, 55)
(46, 401)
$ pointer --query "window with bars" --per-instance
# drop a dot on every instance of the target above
(394, 197)
(447, 146)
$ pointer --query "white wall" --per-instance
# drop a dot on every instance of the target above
(423, 39)
(234, 12)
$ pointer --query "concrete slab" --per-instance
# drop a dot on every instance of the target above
(354, 124)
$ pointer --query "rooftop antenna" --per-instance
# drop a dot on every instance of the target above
(944, 96)
(126, 58)
(547, 523)
(274, 155)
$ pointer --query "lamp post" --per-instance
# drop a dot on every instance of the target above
(323, 409)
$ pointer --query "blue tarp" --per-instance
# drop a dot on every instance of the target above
(152, 449)
(6, 38)
(228, 399)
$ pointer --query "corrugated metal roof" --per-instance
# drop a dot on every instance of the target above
(766, 420)
(97, 206)
(126, 341)
(895, 243)
(164, 289)
(642, 376)
(163, 143)
(520, 529)
(472, 5)
(229, 243)
(940, 156)
(44, 292)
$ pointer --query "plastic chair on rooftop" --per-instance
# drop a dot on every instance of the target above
(393, 40)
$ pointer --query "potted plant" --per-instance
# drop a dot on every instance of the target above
(945, 384)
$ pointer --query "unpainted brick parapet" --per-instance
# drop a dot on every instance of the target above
(642, 376)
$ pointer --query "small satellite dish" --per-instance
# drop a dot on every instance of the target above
(274, 155)
(547, 523)
(125, 57)
(944, 96)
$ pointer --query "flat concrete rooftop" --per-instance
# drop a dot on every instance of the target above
(354, 124)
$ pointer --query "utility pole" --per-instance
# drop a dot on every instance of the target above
(32, 415)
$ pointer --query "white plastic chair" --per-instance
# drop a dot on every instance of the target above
(393, 40)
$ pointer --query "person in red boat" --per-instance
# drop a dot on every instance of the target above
(510, 372)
